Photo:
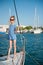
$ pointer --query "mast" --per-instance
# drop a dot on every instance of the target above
(16, 12)
(35, 18)
(38, 21)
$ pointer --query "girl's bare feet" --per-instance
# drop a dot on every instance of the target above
(15, 56)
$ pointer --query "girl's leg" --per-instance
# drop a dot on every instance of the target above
(9, 49)
(14, 48)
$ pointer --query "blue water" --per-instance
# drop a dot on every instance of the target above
(33, 47)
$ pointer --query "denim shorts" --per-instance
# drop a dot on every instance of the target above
(12, 37)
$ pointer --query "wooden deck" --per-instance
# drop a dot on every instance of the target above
(18, 61)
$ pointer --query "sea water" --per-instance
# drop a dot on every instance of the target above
(33, 47)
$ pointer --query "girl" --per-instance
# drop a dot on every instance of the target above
(12, 36)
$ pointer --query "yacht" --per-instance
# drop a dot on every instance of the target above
(37, 30)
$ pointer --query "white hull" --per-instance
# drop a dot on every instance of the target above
(37, 31)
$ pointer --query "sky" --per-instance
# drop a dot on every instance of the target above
(25, 10)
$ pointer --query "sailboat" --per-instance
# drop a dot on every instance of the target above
(37, 30)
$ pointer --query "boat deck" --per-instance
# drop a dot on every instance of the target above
(18, 60)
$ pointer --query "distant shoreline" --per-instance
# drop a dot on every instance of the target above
(5, 28)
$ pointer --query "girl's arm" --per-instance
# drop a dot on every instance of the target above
(18, 29)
